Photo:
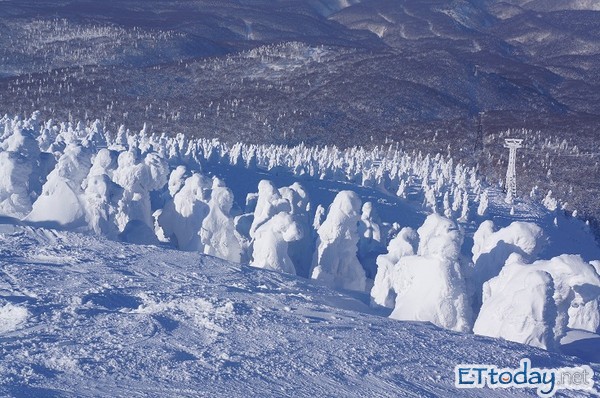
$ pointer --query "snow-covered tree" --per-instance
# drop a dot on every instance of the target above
(520, 308)
(483, 203)
(271, 239)
(218, 236)
(19, 164)
(101, 195)
(401, 192)
(269, 203)
(176, 180)
(370, 244)
(61, 201)
(335, 261)
(446, 204)
(182, 217)
(464, 213)
(492, 249)
(550, 202)
(517, 304)
(429, 286)
(430, 199)
(138, 176)
(403, 244)
(298, 249)
(319, 217)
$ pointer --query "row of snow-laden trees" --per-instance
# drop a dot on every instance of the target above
(148, 189)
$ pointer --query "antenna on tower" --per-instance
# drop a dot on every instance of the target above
(511, 173)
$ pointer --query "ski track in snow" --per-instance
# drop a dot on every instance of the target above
(111, 319)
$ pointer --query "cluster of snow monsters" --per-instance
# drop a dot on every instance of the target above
(148, 189)
(500, 292)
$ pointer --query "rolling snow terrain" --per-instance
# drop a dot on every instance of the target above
(101, 318)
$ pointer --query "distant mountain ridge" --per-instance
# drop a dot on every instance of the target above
(555, 5)
(322, 72)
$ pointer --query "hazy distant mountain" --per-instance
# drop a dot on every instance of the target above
(554, 5)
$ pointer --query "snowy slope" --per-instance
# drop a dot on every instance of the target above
(97, 317)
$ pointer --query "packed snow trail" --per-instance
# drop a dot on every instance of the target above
(101, 318)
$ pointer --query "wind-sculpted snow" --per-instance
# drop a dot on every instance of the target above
(342, 217)
(81, 316)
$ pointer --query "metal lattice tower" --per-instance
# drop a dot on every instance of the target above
(511, 173)
(479, 139)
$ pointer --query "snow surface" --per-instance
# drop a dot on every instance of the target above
(91, 317)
